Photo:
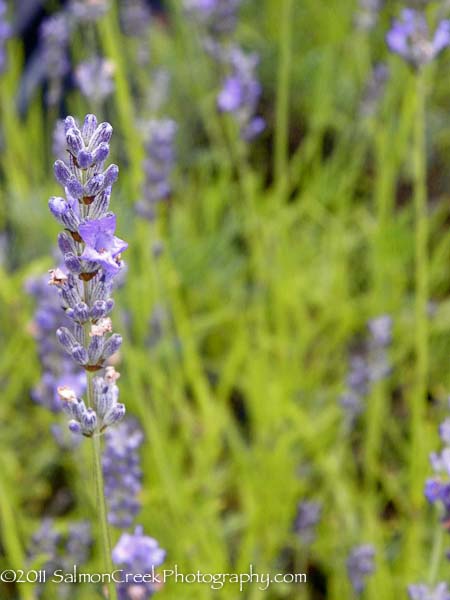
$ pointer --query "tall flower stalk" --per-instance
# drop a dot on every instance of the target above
(410, 38)
(92, 256)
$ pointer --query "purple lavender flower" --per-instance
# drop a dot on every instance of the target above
(137, 554)
(54, 34)
(122, 472)
(367, 15)
(308, 515)
(5, 33)
(241, 91)
(135, 17)
(61, 551)
(424, 592)
(410, 38)
(360, 564)
(102, 247)
(158, 165)
(87, 11)
(94, 78)
(59, 140)
(368, 365)
(374, 89)
(91, 254)
(216, 16)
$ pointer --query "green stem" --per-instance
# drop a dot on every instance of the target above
(102, 513)
(282, 105)
(418, 455)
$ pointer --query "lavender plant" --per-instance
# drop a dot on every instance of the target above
(368, 365)
(360, 564)
(61, 551)
(5, 33)
(92, 256)
(306, 520)
(94, 78)
(54, 34)
(424, 592)
(157, 166)
(137, 554)
(410, 38)
(122, 472)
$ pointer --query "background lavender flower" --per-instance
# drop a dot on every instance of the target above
(374, 89)
(54, 34)
(59, 144)
(410, 38)
(122, 472)
(5, 33)
(135, 16)
(137, 554)
(216, 16)
(94, 78)
(437, 488)
(424, 592)
(60, 551)
(367, 14)
(57, 367)
(368, 365)
(88, 10)
(157, 165)
(308, 516)
(360, 564)
(241, 92)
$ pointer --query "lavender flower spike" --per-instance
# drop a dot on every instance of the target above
(423, 592)
(360, 564)
(122, 472)
(138, 554)
(410, 38)
(5, 33)
(91, 254)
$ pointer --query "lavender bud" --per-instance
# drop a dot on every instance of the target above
(115, 415)
(112, 345)
(85, 159)
(66, 243)
(62, 173)
(73, 263)
(63, 213)
(81, 312)
(69, 123)
(75, 188)
(66, 339)
(95, 349)
(101, 152)
(89, 422)
(111, 174)
(79, 355)
(89, 127)
(94, 185)
(74, 141)
(103, 133)
(74, 426)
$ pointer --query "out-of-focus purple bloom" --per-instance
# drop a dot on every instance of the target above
(137, 554)
(122, 472)
(308, 515)
(368, 365)
(360, 564)
(424, 592)
(59, 140)
(61, 551)
(410, 38)
(54, 34)
(88, 10)
(241, 92)
(374, 89)
(135, 16)
(94, 78)
(157, 165)
(367, 14)
(216, 16)
(5, 33)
